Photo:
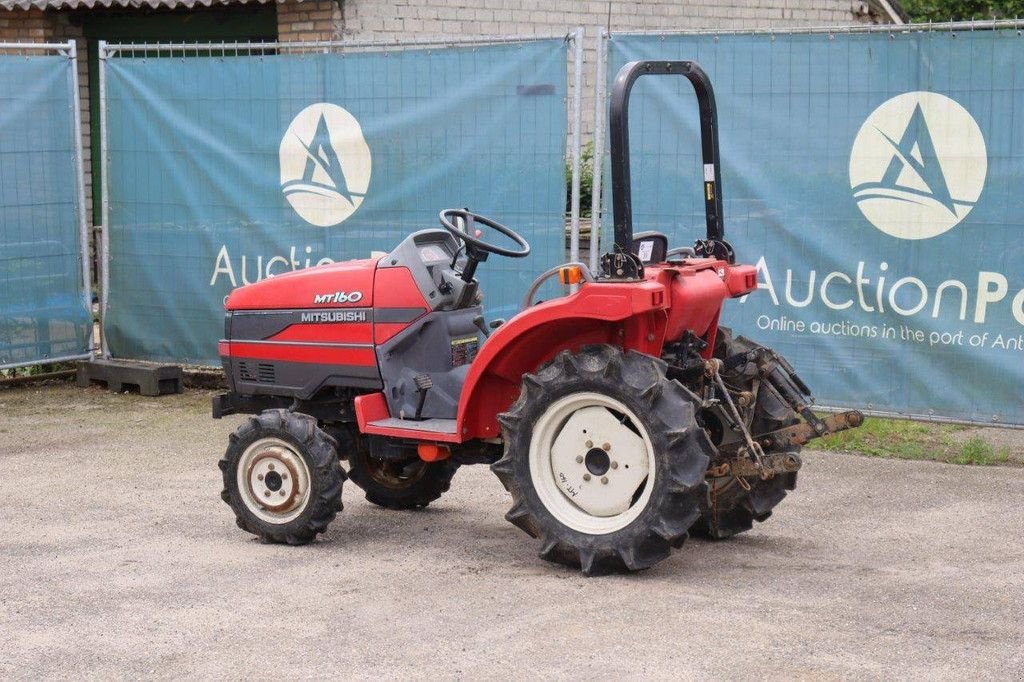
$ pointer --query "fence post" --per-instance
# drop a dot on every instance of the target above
(104, 202)
(577, 146)
(598, 157)
(83, 223)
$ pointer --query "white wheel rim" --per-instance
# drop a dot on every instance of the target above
(273, 480)
(573, 480)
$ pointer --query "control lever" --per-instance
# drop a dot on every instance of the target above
(478, 322)
(423, 384)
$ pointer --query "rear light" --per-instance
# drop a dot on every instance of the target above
(741, 279)
(570, 274)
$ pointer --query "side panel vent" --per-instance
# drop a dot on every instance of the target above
(265, 373)
(259, 372)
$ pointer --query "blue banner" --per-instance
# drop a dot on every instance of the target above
(224, 171)
(44, 312)
(875, 181)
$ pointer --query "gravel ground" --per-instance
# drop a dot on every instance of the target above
(118, 560)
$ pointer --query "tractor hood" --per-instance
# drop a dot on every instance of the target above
(324, 286)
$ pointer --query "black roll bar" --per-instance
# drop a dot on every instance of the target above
(618, 123)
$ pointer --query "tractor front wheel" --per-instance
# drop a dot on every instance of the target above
(282, 477)
(402, 484)
(604, 460)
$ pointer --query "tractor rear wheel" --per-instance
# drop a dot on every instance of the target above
(733, 508)
(604, 460)
(405, 484)
(282, 477)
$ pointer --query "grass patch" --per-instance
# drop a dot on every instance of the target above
(976, 450)
(901, 439)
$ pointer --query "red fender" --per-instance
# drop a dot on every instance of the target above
(630, 315)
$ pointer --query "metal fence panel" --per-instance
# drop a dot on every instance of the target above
(44, 306)
(224, 170)
(875, 180)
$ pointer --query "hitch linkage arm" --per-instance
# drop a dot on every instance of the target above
(777, 371)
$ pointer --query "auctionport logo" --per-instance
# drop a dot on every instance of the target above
(918, 165)
(325, 164)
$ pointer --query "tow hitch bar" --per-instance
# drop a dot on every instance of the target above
(799, 434)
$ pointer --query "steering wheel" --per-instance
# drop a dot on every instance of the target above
(477, 249)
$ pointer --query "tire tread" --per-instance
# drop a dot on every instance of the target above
(670, 415)
(326, 475)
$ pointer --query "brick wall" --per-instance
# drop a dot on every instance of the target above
(377, 20)
(391, 19)
(310, 20)
(31, 26)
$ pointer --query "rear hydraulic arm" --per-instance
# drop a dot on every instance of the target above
(780, 375)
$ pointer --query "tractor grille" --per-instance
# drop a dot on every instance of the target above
(260, 372)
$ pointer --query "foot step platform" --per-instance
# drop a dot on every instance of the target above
(445, 426)
(116, 374)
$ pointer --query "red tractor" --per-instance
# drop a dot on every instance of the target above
(621, 417)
